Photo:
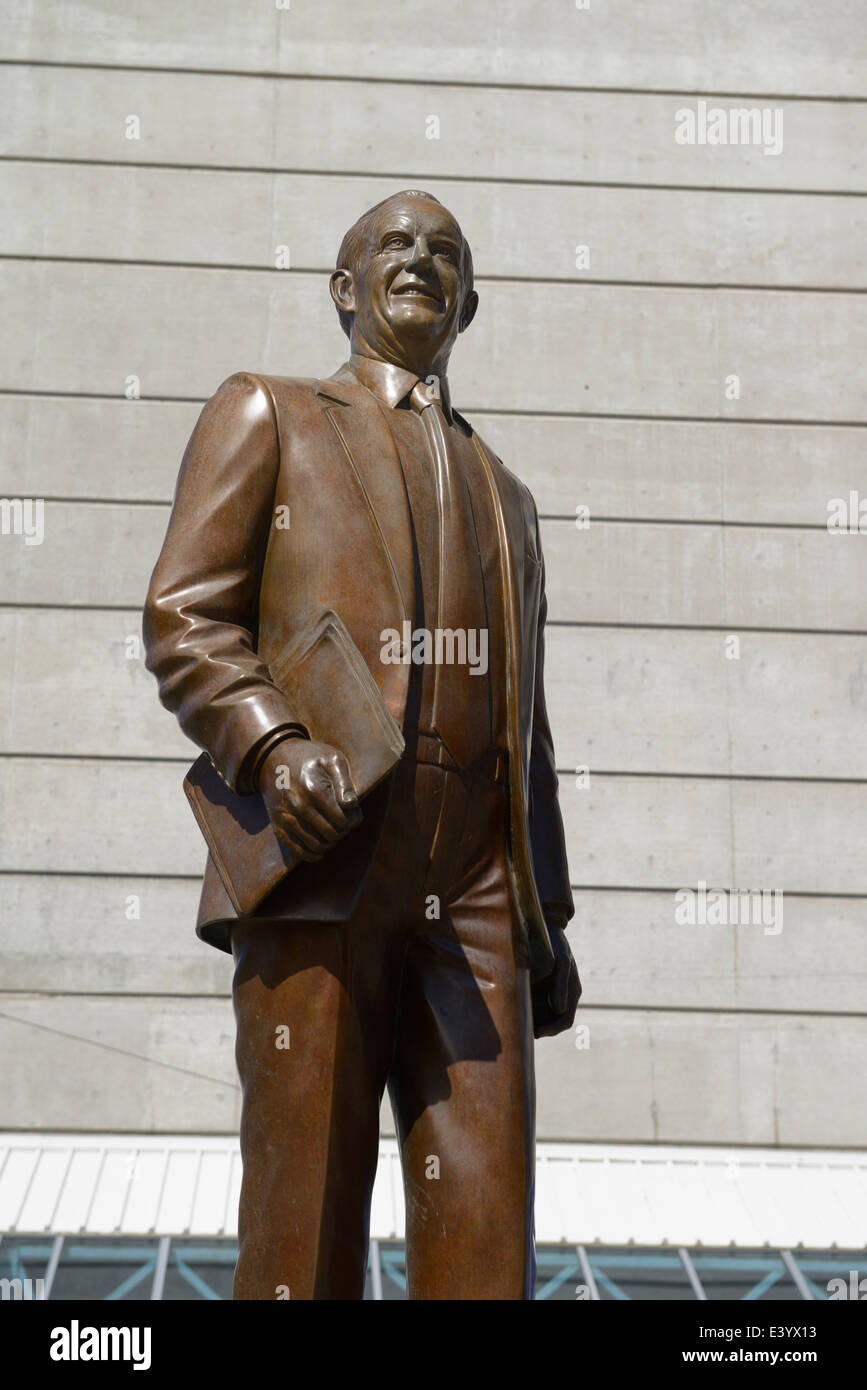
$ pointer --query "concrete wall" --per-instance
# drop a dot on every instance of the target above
(153, 258)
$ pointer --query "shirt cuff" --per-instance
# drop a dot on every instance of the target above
(258, 754)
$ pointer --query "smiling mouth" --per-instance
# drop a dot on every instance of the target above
(420, 292)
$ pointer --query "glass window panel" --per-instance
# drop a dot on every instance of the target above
(25, 1258)
(98, 1267)
(754, 1275)
(201, 1270)
(95, 1268)
(645, 1274)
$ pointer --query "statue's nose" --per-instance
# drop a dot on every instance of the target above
(420, 252)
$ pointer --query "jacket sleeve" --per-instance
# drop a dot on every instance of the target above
(200, 615)
(547, 841)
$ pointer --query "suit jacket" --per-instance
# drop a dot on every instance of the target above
(290, 498)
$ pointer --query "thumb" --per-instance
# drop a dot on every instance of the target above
(341, 780)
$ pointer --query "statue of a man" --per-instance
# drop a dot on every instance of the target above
(420, 945)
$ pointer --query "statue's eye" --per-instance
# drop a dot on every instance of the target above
(395, 243)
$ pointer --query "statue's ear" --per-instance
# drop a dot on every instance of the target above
(468, 313)
(342, 287)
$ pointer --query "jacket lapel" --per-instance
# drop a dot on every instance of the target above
(364, 435)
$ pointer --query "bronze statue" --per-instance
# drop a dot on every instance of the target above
(420, 944)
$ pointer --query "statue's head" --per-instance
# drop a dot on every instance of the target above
(403, 286)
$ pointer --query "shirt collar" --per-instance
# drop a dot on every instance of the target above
(391, 383)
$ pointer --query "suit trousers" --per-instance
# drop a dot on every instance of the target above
(425, 990)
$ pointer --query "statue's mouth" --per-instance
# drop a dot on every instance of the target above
(420, 292)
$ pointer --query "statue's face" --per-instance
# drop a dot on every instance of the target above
(408, 291)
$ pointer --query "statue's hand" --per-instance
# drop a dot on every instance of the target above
(309, 794)
(555, 998)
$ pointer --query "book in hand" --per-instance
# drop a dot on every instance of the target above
(334, 696)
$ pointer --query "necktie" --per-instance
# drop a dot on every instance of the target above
(459, 707)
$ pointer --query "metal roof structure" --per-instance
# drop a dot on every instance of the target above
(586, 1194)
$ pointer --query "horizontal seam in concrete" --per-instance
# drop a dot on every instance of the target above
(25, 606)
(595, 518)
(83, 161)
(145, 759)
(716, 1010)
(102, 873)
(25, 392)
(641, 520)
(30, 158)
(584, 1007)
(694, 776)
(841, 1156)
(223, 267)
(666, 892)
(560, 623)
(41, 993)
(709, 627)
(617, 888)
(390, 81)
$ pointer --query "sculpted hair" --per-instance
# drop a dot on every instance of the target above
(355, 241)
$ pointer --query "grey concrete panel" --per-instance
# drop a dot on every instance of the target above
(81, 934)
(131, 818)
(56, 446)
(59, 446)
(387, 128)
(720, 1078)
(521, 231)
(608, 349)
(78, 816)
(167, 1064)
(632, 951)
(673, 832)
(62, 568)
(611, 572)
(74, 682)
(697, 45)
(122, 1065)
(107, 935)
(619, 699)
(679, 470)
(626, 699)
(759, 577)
